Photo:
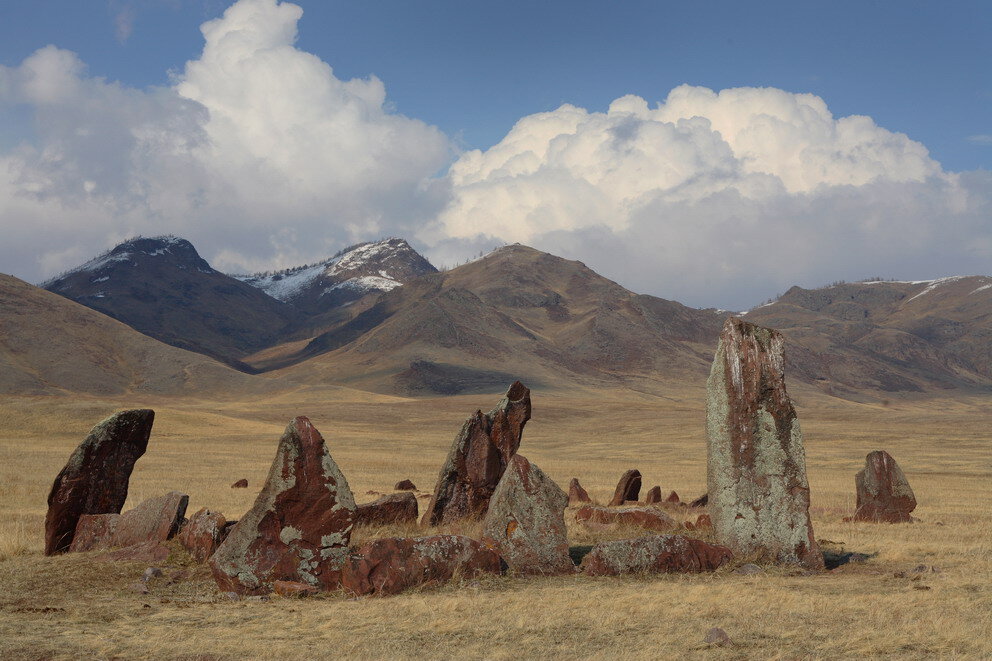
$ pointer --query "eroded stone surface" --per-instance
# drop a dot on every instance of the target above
(477, 459)
(390, 509)
(203, 533)
(526, 521)
(628, 488)
(657, 553)
(649, 518)
(300, 525)
(95, 479)
(884, 494)
(756, 469)
(391, 565)
(154, 520)
(576, 494)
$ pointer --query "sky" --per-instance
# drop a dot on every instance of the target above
(714, 153)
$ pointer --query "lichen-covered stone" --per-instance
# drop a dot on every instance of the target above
(388, 510)
(300, 525)
(154, 520)
(203, 533)
(526, 521)
(884, 494)
(391, 565)
(477, 459)
(654, 554)
(628, 488)
(576, 494)
(756, 468)
(95, 479)
(649, 518)
(653, 496)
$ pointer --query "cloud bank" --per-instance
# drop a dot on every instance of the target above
(262, 157)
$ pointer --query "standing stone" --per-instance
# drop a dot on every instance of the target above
(756, 464)
(203, 533)
(526, 521)
(477, 459)
(300, 525)
(95, 479)
(576, 494)
(388, 510)
(628, 488)
(653, 496)
(884, 494)
(673, 498)
(657, 553)
(154, 520)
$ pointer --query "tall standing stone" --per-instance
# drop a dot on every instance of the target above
(756, 468)
(300, 525)
(526, 521)
(478, 458)
(884, 494)
(95, 479)
(628, 488)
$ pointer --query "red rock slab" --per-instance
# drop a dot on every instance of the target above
(649, 518)
(405, 485)
(300, 525)
(387, 510)
(203, 533)
(293, 589)
(391, 565)
(576, 494)
(883, 492)
(653, 496)
(95, 479)
(154, 520)
(654, 554)
(673, 498)
(628, 488)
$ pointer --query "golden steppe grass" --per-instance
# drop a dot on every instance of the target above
(75, 607)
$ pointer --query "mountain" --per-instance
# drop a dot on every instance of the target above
(887, 336)
(355, 272)
(52, 345)
(163, 288)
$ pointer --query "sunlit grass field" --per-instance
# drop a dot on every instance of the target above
(73, 607)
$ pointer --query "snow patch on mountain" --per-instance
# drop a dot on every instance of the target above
(366, 283)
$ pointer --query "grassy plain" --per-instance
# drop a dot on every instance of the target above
(74, 607)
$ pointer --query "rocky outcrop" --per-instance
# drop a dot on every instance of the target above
(884, 494)
(756, 468)
(389, 509)
(525, 523)
(477, 459)
(649, 518)
(95, 479)
(576, 494)
(405, 485)
(653, 496)
(658, 553)
(203, 533)
(391, 565)
(300, 526)
(154, 520)
(628, 488)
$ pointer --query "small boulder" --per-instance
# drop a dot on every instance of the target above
(526, 523)
(293, 589)
(717, 636)
(673, 498)
(657, 553)
(391, 565)
(390, 509)
(95, 479)
(203, 533)
(154, 520)
(628, 488)
(649, 518)
(884, 494)
(240, 484)
(405, 485)
(653, 496)
(576, 494)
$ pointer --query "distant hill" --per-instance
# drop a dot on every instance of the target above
(163, 288)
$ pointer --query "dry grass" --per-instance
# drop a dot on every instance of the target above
(70, 607)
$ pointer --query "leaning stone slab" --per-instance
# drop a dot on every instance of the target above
(658, 553)
(628, 488)
(525, 523)
(884, 494)
(756, 468)
(649, 518)
(392, 565)
(477, 459)
(300, 525)
(154, 520)
(95, 479)
(390, 509)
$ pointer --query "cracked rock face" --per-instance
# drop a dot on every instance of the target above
(95, 479)
(658, 553)
(478, 458)
(526, 521)
(884, 494)
(300, 525)
(756, 463)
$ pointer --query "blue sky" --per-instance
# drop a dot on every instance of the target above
(464, 73)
